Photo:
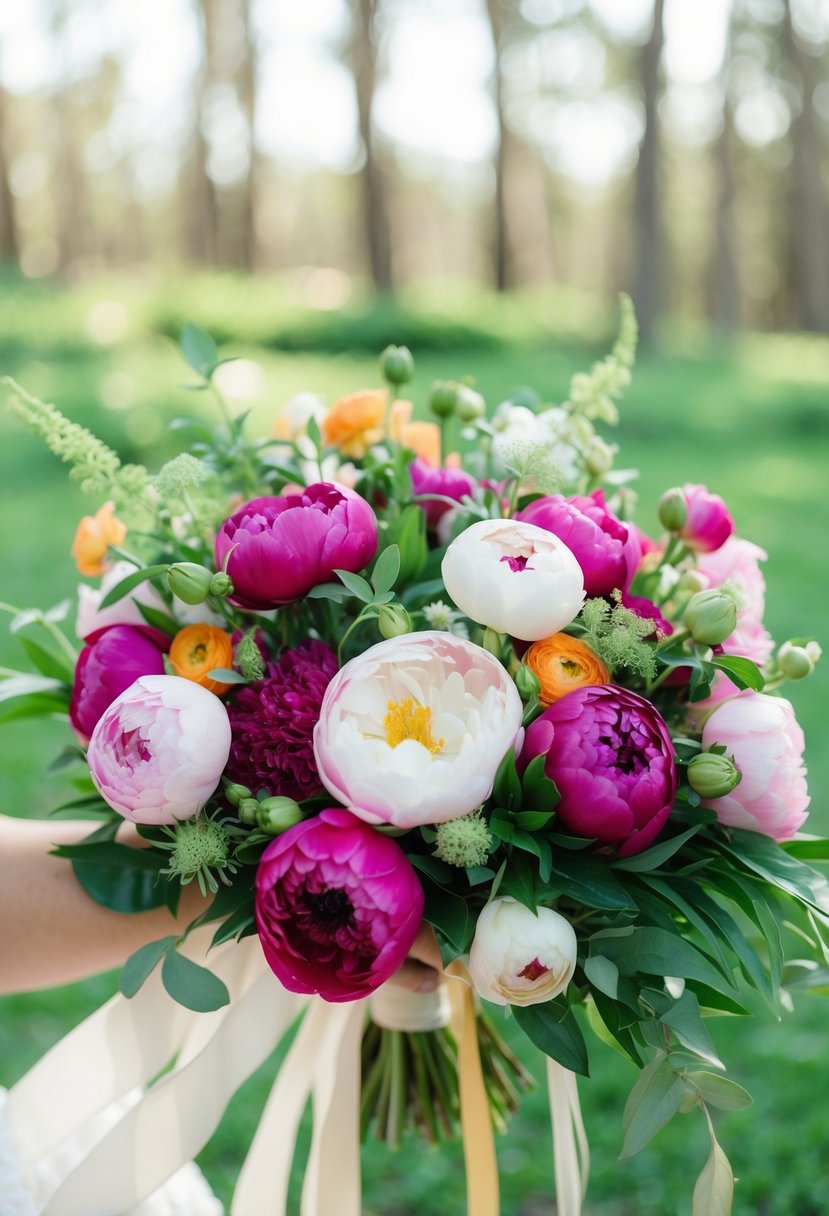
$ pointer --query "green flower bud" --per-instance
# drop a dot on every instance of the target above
(690, 582)
(198, 843)
(599, 459)
(527, 683)
(443, 398)
(235, 793)
(463, 842)
(221, 585)
(247, 810)
(493, 641)
(393, 620)
(189, 582)
(712, 775)
(711, 616)
(798, 661)
(275, 815)
(673, 510)
(469, 404)
(397, 364)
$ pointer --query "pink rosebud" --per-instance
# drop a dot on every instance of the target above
(607, 550)
(158, 751)
(449, 483)
(761, 733)
(276, 549)
(709, 523)
(611, 756)
(107, 665)
(338, 906)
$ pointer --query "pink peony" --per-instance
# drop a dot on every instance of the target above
(607, 550)
(107, 665)
(158, 751)
(273, 722)
(611, 757)
(738, 562)
(709, 523)
(276, 549)
(338, 906)
(449, 483)
(762, 735)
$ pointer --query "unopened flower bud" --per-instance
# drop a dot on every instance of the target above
(711, 616)
(235, 793)
(221, 585)
(464, 841)
(798, 661)
(469, 404)
(691, 581)
(397, 364)
(527, 683)
(277, 814)
(712, 775)
(247, 810)
(443, 398)
(673, 510)
(599, 459)
(189, 582)
(393, 620)
(493, 641)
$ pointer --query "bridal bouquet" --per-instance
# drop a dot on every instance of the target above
(372, 671)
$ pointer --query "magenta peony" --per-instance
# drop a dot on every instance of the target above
(449, 483)
(273, 723)
(647, 610)
(607, 550)
(610, 754)
(709, 523)
(762, 735)
(276, 549)
(338, 906)
(158, 751)
(109, 662)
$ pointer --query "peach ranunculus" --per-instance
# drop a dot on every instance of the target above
(422, 437)
(356, 422)
(197, 650)
(93, 537)
(563, 664)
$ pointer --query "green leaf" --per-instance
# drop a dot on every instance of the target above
(653, 1102)
(158, 619)
(35, 705)
(519, 881)
(533, 821)
(47, 661)
(410, 534)
(658, 952)
(193, 986)
(478, 874)
(602, 974)
(685, 1020)
(15, 684)
(714, 1190)
(539, 792)
(386, 570)
(122, 878)
(741, 672)
(507, 788)
(652, 858)
(226, 675)
(236, 923)
(140, 965)
(590, 880)
(328, 591)
(356, 585)
(764, 857)
(312, 430)
(126, 585)
(437, 870)
(449, 914)
(720, 1091)
(807, 848)
(552, 1026)
(612, 1023)
(199, 350)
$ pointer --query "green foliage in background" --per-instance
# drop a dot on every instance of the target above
(752, 423)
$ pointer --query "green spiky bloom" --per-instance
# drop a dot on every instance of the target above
(200, 849)
(95, 465)
(247, 658)
(184, 472)
(463, 842)
(593, 394)
(617, 636)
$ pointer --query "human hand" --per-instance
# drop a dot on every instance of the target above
(422, 969)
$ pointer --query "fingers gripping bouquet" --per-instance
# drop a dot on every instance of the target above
(351, 682)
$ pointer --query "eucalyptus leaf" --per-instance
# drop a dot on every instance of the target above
(193, 986)
(714, 1190)
(720, 1091)
(685, 1020)
(226, 675)
(552, 1026)
(140, 965)
(653, 1102)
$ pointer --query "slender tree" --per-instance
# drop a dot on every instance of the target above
(726, 305)
(648, 278)
(374, 209)
(9, 250)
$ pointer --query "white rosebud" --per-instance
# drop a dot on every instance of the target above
(520, 957)
(514, 577)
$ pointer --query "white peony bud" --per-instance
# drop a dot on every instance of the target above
(520, 957)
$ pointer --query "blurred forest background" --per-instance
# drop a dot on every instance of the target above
(312, 179)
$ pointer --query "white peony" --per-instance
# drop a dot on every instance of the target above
(520, 957)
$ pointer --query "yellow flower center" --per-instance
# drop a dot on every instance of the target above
(571, 669)
(405, 720)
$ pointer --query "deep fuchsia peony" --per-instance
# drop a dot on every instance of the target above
(610, 754)
(338, 906)
(763, 737)
(109, 662)
(276, 549)
(647, 610)
(273, 723)
(709, 523)
(607, 550)
(449, 483)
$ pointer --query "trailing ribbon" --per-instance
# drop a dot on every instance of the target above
(571, 1154)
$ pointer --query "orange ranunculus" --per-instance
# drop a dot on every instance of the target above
(354, 423)
(93, 536)
(422, 437)
(563, 664)
(196, 650)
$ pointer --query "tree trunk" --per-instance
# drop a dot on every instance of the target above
(374, 204)
(648, 277)
(725, 275)
(9, 249)
(500, 246)
(807, 206)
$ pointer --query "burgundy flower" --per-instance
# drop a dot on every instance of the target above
(607, 550)
(109, 663)
(273, 723)
(449, 483)
(276, 549)
(610, 754)
(338, 906)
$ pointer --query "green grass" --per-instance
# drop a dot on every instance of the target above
(752, 423)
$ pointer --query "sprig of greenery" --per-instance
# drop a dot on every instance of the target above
(617, 636)
(593, 394)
